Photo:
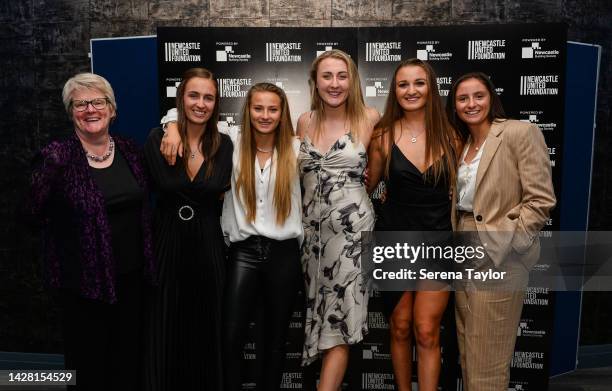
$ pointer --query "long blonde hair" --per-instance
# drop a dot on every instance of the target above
(355, 105)
(285, 166)
(210, 139)
(441, 137)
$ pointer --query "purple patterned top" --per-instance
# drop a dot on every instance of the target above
(62, 184)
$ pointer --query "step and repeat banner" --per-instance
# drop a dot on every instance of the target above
(526, 63)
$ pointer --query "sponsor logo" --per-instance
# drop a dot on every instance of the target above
(323, 47)
(383, 51)
(182, 52)
(227, 120)
(373, 352)
(234, 88)
(284, 84)
(283, 52)
(444, 84)
(377, 381)
(291, 381)
(536, 296)
(528, 360)
(228, 54)
(374, 87)
(524, 330)
(490, 49)
(517, 386)
(533, 48)
(172, 87)
(428, 52)
(377, 320)
(293, 355)
(249, 351)
(535, 117)
(540, 85)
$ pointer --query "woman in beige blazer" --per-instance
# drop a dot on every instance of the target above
(504, 195)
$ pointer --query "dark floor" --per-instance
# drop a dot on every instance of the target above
(591, 379)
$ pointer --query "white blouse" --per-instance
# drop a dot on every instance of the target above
(233, 219)
(466, 180)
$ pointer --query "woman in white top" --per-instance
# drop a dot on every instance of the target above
(261, 217)
(504, 196)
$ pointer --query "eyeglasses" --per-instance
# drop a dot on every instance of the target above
(98, 104)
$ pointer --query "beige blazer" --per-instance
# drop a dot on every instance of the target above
(514, 192)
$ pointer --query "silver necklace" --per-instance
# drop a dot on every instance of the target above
(107, 154)
(413, 138)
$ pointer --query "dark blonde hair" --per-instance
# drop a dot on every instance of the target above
(355, 105)
(441, 137)
(285, 165)
(210, 139)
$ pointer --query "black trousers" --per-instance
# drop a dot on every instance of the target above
(267, 270)
(103, 342)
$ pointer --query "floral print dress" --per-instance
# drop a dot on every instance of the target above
(336, 208)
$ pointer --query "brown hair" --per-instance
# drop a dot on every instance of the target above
(496, 111)
(210, 139)
(441, 137)
(285, 165)
(355, 105)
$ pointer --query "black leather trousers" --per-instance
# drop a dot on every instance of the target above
(266, 270)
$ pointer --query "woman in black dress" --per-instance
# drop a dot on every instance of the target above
(186, 314)
(88, 194)
(414, 149)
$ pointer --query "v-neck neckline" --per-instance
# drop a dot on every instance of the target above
(333, 146)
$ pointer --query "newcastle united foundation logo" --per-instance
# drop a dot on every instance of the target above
(533, 48)
(383, 51)
(444, 84)
(228, 54)
(536, 296)
(377, 381)
(234, 88)
(283, 52)
(291, 380)
(182, 52)
(429, 53)
(491, 49)
(540, 85)
(528, 360)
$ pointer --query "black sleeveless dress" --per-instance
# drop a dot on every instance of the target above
(415, 202)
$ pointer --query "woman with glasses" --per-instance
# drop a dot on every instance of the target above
(88, 193)
(185, 345)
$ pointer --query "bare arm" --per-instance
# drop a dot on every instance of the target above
(376, 162)
(171, 143)
(373, 117)
(302, 125)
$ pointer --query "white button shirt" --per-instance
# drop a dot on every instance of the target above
(466, 180)
(233, 220)
(234, 223)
